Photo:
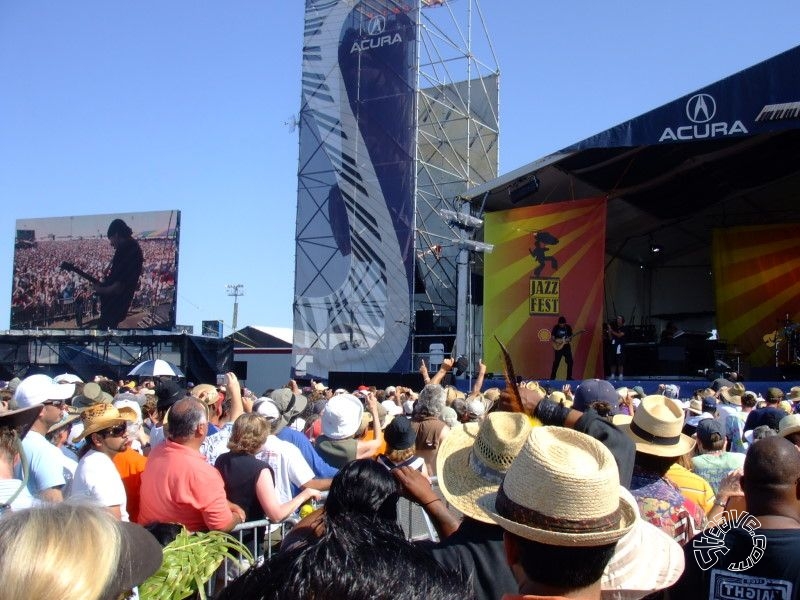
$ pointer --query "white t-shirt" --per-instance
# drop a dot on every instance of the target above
(97, 481)
(288, 465)
(8, 487)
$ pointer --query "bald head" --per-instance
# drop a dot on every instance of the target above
(184, 418)
(771, 462)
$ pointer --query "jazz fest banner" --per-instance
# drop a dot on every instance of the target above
(547, 261)
(757, 281)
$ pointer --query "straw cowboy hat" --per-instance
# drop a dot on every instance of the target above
(788, 425)
(473, 458)
(102, 416)
(656, 428)
(563, 490)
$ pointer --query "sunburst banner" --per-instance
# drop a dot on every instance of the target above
(757, 281)
(547, 261)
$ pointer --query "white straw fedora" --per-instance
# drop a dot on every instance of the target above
(563, 490)
(656, 428)
(473, 458)
(645, 560)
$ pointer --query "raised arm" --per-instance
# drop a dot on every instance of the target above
(476, 387)
(447, 364)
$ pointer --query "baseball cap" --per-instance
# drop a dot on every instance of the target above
(707, 428)
(40, 388)
(709, 404)
(595, 390)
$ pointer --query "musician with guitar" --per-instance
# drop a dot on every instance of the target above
(121, 278)
(561, 336)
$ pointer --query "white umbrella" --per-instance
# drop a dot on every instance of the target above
(154, 368)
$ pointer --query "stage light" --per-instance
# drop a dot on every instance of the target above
(655, 248)
(476, 246)
(461, 219)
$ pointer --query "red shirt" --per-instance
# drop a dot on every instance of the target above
(179, 486)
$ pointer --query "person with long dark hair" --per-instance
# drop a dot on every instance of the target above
(122, 276)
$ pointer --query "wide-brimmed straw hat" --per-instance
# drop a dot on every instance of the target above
(788, 425)
(734, 394)
(473, 458)
(102, 416)
(206, 392)
(656, 428)
(563, 490)
(645, 560)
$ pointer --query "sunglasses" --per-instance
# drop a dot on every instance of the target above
(56, 403)
(116, 431)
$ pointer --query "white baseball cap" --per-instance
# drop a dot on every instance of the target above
(40, 388)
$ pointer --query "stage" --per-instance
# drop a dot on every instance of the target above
(650, 385)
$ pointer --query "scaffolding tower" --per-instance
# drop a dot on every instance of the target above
(398, 118)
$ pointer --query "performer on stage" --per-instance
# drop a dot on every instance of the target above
(122, 277)
(616, 330)
(561, 336)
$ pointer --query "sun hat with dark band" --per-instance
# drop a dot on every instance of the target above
(656, 428)
(474, 457)
(563, 490)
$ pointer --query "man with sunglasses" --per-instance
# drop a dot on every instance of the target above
(42, 459)
(105, 428)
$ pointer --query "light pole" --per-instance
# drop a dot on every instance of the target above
(235, 290)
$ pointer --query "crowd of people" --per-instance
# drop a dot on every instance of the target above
(44, 293)
(533, 492)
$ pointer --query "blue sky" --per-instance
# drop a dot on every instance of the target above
(170, 104)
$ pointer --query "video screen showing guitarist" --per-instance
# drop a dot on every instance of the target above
(561, 336)
(122, 276)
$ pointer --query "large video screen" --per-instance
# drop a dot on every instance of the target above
(115, 271)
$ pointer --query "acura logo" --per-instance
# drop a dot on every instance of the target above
(376, 25)
(701, 108)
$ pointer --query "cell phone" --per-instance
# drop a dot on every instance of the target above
(220, 379)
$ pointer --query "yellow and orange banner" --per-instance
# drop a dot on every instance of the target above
(757, 280)
(548, 261)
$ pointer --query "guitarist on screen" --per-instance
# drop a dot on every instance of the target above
(122, 277)
(561, 336)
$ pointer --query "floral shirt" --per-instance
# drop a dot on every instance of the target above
(216, 444)
(662, 504)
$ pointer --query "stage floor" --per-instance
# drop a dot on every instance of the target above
(649, 384)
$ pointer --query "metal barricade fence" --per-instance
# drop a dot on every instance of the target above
(263, 538)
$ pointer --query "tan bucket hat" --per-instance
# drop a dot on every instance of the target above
(563, 490)
(102, 416)
(656, 428)
(473, 458)
(788, 425)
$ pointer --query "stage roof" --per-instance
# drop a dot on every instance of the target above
(725, 155)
